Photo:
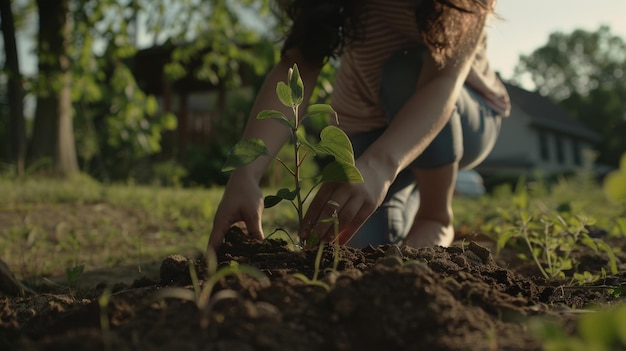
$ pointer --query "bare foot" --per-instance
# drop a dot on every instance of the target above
(429, 233)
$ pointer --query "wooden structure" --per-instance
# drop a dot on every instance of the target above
(148, 67)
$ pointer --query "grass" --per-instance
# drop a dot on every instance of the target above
(575, 195)
(48, 225)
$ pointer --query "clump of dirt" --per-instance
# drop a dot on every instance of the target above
(385, 297)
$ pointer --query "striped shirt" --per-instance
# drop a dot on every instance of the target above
(389, 25)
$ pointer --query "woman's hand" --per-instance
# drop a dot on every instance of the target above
(351, 203)
(242, 202)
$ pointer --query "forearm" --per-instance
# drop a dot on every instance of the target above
(419, 121)
(274, 134)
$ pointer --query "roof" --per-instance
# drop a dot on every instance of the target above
(546, 114)
(148, 68)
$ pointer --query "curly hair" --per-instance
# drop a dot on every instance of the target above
(450, 25)
(321, 29)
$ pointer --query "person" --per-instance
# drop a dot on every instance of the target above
(414, 92)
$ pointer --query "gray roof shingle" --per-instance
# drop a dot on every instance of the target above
(546, 114)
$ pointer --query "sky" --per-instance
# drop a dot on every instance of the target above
(527, 24)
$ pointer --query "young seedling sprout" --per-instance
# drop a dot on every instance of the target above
(333, 142)
(203, 295)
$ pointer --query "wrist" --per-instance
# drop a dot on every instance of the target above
(245, 174)
(381, 163)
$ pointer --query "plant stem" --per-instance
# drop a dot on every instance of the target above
(336, 248)
(296, 176)
(298, 163)
(546, 248)
(318, 260)
(524, 230)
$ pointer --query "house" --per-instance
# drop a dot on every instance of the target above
(196, 103)
(539, 138)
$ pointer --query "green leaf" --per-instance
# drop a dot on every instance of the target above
(284, 94)
(169, 121)
(271, 200)
(503, 239)
(301, 135)
(308, 281)
(296, 85)
(73, 274)
(334, 142)
(152, 105)
(270, 114)
(615, 182)
(281, 194)
(276, 115)
(341, 172)
(520, 199)
(321, 110)
(609, 251)
(244, 152)
(313, 239)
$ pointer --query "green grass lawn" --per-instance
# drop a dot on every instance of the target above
(48, 225)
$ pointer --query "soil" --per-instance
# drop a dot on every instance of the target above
(378, 298)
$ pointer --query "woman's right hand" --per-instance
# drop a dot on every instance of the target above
(242, 202)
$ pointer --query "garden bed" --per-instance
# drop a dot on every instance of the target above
(379, 298)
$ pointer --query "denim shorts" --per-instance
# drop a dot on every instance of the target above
(467, 138)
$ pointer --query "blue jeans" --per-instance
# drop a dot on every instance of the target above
(467, 138)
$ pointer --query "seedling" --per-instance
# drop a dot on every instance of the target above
(320, 252)
(281, 234)
(551, 237)
(203, 297)
(74, 273)
(333, 142)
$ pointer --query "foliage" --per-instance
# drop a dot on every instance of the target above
(169, 173)
(584, 72)
(615, 182)
(333, 142)
(550, 236)
(615, 189)
(43, 220)
(73, 275)
(595, 331)
(117, 125)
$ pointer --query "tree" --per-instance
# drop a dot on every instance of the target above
(87, 97)
(53, 131)
(584, 72)
(15, 88)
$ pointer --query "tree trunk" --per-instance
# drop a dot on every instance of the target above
(53, 131)
(15, 88)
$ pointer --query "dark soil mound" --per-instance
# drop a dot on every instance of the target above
(383, 298)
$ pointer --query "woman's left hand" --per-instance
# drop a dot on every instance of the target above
(351, 203)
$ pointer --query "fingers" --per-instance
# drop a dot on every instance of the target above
(322, 208)
(254, 227)
(221, 226)
(337, 211)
